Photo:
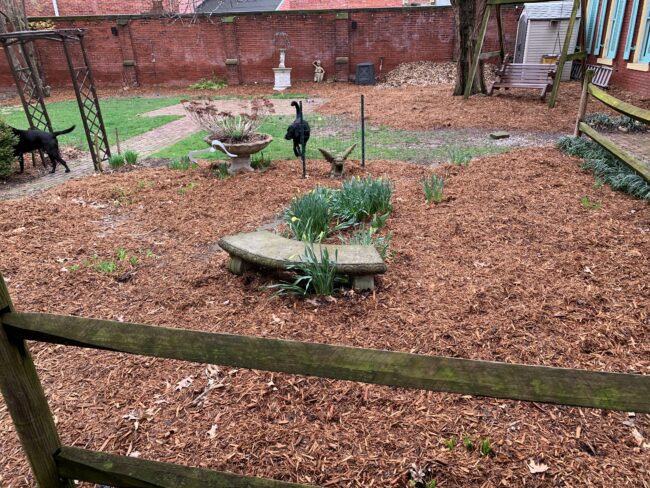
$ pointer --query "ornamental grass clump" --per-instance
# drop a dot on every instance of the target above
(606, 166)
(226, 126)
(369, 237)
(308, 216)
(433, 188)
(359, 199)
(315, 274)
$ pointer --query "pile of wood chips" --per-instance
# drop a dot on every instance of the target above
(427, 73)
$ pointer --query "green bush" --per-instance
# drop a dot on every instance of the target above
(313, 275)
(116, 161)
(359, 199)
(131, 157)
(8, 141)
(208, 84)
(606, 166)
(308, 216)
(433, 188)
(602, 121)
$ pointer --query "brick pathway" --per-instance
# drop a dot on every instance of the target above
(144, 144)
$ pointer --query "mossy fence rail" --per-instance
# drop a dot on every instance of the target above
(637, 157)
(54, 465)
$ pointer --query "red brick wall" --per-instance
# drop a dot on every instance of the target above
(635, 81)
(89, 7)
(176, 53)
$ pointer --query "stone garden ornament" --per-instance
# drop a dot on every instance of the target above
(282, 74)
(319, 72)
(337, 161)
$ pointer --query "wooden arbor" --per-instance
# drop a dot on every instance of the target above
(564, 56)
(31, 91)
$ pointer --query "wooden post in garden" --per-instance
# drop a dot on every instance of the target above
(27, 405)
(584, 97)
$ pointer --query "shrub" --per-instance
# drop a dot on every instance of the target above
(8, 141)
(433, 188)
(309, 215)
(208, 84)
(606, 166)
(116, 160)
(602, 121)
(368, 237)
(313, 275)
(131, 157)
(360, 198)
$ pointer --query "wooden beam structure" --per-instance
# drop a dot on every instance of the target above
(564, 55)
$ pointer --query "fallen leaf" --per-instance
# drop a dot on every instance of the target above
(535, 468)
(212, 433)
(184, 383)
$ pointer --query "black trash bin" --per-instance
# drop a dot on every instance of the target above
(365, 74)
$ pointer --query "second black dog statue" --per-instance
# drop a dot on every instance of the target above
(34, 140)
(293, 131)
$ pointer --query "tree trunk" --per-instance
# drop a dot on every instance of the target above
(468, 15)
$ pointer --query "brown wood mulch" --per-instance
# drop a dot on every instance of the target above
(510, 267)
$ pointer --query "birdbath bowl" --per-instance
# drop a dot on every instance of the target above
(242, 151)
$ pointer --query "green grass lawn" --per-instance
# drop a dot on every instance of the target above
(122, 113)
(336, 134)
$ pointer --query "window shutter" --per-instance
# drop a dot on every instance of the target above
(630, 29)
(615, 33)
(592, 15)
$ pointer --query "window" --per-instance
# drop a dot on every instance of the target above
(614, 29)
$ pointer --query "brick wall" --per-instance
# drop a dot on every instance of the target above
(88, 7)
(635, 81)
(153, 50)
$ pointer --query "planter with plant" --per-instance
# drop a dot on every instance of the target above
(234, 135)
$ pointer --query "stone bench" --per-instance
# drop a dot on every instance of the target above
(262, 248)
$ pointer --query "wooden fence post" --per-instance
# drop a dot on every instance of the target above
(583, 101)
(27, 405)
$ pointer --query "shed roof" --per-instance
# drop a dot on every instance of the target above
(549, 10)
(235, 6)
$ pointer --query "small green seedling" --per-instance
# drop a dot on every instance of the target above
(587, 203)
(451, 442)
(133, 260)
(189, 187)
(150, 254)
(598, 184)
(182, 164)
(433, 188)
(74, 267)
(485, 448)
(432, 484)
(221, 171)
(106, 266)
(121, 254)
(468, 443)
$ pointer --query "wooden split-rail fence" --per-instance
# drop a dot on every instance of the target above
(55, 466)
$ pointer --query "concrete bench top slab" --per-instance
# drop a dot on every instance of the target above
(273, 251)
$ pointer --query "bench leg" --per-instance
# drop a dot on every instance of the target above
(237, 265)
(364, 282)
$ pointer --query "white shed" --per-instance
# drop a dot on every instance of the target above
(541, 31)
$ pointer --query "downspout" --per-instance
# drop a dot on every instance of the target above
(56, 8)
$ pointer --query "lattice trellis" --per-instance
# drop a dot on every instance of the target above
(31, 93)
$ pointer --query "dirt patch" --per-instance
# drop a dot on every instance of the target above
(511, 267)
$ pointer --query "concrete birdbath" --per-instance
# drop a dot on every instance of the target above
(240, 152)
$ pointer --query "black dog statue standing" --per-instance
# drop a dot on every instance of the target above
(293, 131)
(34, 140)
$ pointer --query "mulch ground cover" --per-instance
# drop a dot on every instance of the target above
(510, 267)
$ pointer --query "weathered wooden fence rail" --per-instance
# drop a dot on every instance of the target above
(54, 465)
(630, 158)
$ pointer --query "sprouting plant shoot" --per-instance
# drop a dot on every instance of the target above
(433, 188)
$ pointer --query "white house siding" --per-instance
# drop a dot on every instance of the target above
(546, 37)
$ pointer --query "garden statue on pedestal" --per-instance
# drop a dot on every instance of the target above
(319, 71)
(234, 135)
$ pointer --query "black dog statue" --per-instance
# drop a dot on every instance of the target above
(34, 140)
(293, 131)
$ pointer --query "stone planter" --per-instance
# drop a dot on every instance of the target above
(243, 150)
